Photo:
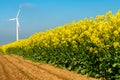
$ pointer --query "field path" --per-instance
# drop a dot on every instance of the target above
(13, 67)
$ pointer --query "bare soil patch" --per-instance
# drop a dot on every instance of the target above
(13, 67)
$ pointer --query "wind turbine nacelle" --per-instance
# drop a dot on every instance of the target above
(12, 19)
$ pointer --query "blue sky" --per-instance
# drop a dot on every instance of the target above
(40, 15)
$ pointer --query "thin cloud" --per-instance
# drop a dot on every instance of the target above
(29, 5)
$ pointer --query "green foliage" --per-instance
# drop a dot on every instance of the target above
(1, 50)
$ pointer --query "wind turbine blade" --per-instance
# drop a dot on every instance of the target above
(12, 19)
(18, 12)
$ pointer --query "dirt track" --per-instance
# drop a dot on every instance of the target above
(16, 68)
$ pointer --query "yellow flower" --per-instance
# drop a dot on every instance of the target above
(75, 37)
(116, 44)
(118, 13)
(106, 37)
(87, 33)
(119, 29)
(115, 32)
(74, 42)
(107, 46)
(91, 49)
(100, 18)
(96, 51)
(108, 14)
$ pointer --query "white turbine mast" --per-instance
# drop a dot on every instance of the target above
(17, 23)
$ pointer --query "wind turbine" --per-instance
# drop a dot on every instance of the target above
(17, 23)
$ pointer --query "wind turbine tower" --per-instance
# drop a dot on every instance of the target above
(17, 23)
